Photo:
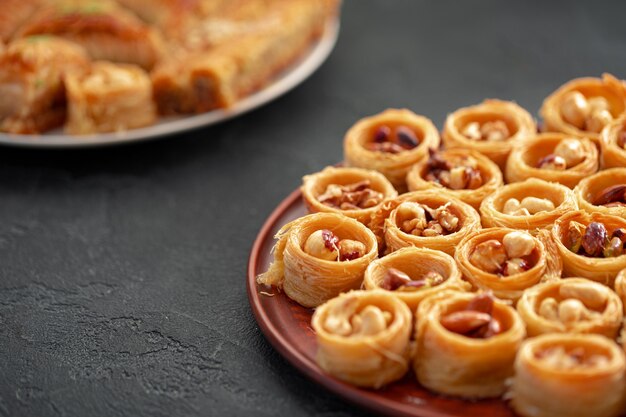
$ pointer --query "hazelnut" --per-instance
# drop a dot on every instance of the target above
(598, 119)
(571, 310)
(590, 295)
(534, 205)
(475, 179)
(495, 131)
(458, 178)
(515, 266)
(370, 321)
(511, 206)
(598, 103)
(472, 131)
(552, 162)
(322, 244)
(571, 150)
(489, 256)
(433, 278)
(518, 244)
(575, 109)
(549, 309)
(351, 249)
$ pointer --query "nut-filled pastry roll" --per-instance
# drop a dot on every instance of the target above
(412, 274)
(461, 173)
(591, 245)
(603, 192)
(491, 128)
(584, 106)
(466, 344)
(363, 338)
(390, 142)
(424, 219)
(109, 98)
(507, 261)
(613, 144)
(573, 305)
(553, 157)
(353, 192)
(32, 87)
(568, 375)
(319, 256)
(528, 205)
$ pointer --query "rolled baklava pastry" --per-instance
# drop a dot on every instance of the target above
(424, 219)
(530, 205)
(353, 192)
(412, 274)
(319, 256)
(553, 157)
(466, 344)
(620, 286)
(568, 375)
(507, 261)
(613, 144)
(591, 245)
(390, 142)
(32, 90)
(109, 98)
(584, 106)
(603, 192)
(462, 173)
(363, 337)
(573, 305)
(491, 128)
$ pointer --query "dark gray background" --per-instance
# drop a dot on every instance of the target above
(122, 270)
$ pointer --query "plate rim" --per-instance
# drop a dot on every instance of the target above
(361, 397)
(295, 75)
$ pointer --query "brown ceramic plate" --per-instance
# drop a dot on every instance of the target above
(287, 326)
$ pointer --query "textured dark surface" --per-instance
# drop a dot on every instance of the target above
(122, 270)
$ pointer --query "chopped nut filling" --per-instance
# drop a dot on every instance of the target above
(396, 280)
(460, 174)
(594, 240)
(590, 114)
(324, 244)
(496, 130)
(393, 140)
(527, 207)
(560, 358)
(420, 220)
(355, 196)
(612, 196)
(509, 257)
(567, 154)
(476, 320)
(345, 320)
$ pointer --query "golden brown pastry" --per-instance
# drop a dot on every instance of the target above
(554, 157)
(32, 95)
(412, 274)
(583, 106)
(529, 205)
(109, 98)
(507, 261)
(319, 256)
(466, 344)
(425, 219)
(199, 81)
(363, 338)
(591, 245)
(106, 30)
(390, 142)
(13, 13)
(613, 144)
(568, 375)
(491, 128)
(462, 173)
(603, 192)
(573, 305)
(353, 192)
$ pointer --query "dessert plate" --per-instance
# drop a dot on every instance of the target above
(286, 81)
(287, 327)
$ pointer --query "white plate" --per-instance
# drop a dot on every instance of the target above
(286, 81)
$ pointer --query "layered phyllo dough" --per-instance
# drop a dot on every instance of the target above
(553, 157)
(108, 98)
(461, 173)
(390, 142)
(355, 192)
(613, 144)
(584, 106)
(363, 337)
(32, 84)
(319, 256)
(491, 127)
